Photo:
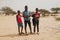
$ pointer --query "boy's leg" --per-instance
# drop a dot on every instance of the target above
(34, 26)
(22, 28)
(18, 29)
(29, 23)
(25, 22)
(37, 26)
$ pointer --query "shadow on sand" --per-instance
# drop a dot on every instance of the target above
(16, 35)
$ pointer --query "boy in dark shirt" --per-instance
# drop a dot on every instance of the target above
(35, 20)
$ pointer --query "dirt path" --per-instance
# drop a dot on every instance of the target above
(49, 29)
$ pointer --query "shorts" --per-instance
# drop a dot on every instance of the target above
(20, 24)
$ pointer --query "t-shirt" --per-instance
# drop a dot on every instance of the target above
(26, 15)
(19, 20)
(36, 16)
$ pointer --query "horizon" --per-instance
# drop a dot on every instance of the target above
(32, 4)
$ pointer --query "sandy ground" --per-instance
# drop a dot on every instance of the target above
(49, 29)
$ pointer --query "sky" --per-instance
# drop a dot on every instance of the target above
(32, 4)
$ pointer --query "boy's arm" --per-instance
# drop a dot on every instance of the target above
(21, 14)
(31, 14)
(39, 14)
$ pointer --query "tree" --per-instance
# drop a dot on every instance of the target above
(8, 11)
(55, 10)
(44, 11)
(13, 13)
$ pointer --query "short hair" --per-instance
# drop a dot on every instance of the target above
(36, 8)
(26, 6)
(18, 11)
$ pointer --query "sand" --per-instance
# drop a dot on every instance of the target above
(49, 29)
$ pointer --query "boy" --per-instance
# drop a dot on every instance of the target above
(26, 15)
(35, 20)
(19, 22)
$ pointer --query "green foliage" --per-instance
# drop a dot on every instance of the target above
(8, 11)
(55, 9)
(44, 11)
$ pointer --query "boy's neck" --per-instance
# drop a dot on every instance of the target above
(18, 13)
(36, 11)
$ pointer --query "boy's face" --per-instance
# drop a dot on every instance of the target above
(36, 10)
(26, 8)
(19, 13)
